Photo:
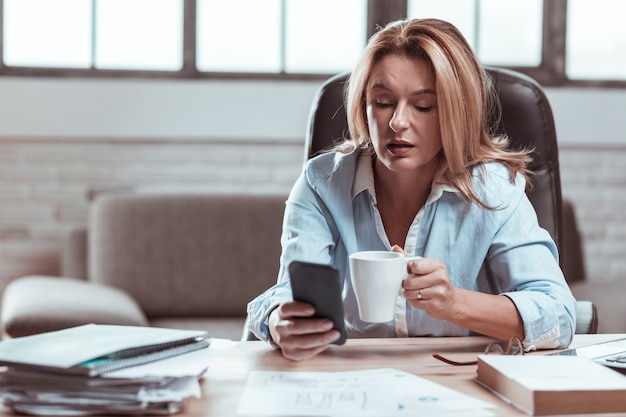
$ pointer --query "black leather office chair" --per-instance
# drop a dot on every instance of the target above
(526, 117)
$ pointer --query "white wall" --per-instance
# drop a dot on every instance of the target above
(223, 109)
(587, 116)
(42, 107)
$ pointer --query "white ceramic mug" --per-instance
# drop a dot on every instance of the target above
(377, 279)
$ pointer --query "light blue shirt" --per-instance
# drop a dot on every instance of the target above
(331, 212)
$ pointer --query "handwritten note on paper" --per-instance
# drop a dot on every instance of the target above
(374, 392)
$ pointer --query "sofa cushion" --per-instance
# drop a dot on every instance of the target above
(74, 254)
(187, 255)
(68, 302)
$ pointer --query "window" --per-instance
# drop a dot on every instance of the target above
(111, 34)
(138, 34)
(501, 32)
(239, 35)
(35, 39)
(557, 42)
(246, 36)
(596, 40)
(320, 41)
(292, 36)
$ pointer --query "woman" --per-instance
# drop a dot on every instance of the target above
(421, 175)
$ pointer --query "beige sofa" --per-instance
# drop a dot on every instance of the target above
(172, 260)
(192, 261)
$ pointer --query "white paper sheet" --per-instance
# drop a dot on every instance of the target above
(376, 392)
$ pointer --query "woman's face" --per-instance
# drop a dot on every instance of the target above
(401, 107)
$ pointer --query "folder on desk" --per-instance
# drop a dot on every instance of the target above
(94, 349)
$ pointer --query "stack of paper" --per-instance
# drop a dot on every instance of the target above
(101, 369)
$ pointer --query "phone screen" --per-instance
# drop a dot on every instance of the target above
(319, 285)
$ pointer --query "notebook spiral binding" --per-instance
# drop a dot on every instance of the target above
(134, 356)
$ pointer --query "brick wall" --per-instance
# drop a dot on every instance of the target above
(594, 179)
(44, 186)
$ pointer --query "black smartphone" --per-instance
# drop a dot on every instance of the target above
(319, 285)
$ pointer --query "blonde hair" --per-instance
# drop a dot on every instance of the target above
(464, 98)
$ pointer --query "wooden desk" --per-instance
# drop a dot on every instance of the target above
(227, 376)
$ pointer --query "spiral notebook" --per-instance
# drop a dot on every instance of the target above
(94, 349)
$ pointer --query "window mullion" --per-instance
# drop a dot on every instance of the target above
(381, 12)
(477, 27)
(2, 66)
(552, 68)
(283, 36)
(94, 28)
(189, 37)
(554, 28)
(551, 71)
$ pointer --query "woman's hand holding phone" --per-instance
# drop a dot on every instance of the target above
(314, 320)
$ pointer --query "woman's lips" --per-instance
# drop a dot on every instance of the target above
(399, 147)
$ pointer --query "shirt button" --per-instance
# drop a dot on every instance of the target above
(410, 250)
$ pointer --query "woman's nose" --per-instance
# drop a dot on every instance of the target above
(399, 119)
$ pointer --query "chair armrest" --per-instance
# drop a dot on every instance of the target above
(37, 304)
(586, 318)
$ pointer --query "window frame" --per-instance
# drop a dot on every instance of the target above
(550, 72)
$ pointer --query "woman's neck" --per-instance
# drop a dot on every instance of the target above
(399, 197)
(403, 189)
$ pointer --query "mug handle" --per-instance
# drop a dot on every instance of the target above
(408, 259)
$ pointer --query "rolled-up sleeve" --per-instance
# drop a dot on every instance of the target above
(307, 236)
(523, 259)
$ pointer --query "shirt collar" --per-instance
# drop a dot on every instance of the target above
(364, 180)
(364, 175)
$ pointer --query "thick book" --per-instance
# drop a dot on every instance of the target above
(94, 349)
(548, 385)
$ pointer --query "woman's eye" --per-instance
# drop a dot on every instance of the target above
(424, 109)
(383, 103)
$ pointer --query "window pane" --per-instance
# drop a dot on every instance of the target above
(139, 34)
(238, 35)
(44, 33)
(461, 13)
(510, 32)
(596, 40)
(324, 36)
